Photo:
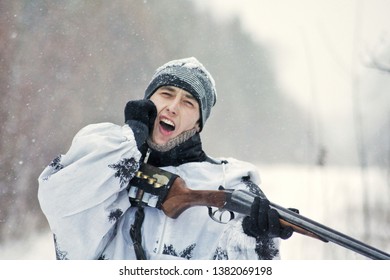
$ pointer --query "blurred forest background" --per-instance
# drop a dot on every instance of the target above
(65, 64)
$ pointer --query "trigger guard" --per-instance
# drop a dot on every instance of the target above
(213, 213)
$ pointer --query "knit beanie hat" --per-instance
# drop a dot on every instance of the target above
(190, 75)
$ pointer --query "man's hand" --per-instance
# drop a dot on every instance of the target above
(140, 116)
(263, 223)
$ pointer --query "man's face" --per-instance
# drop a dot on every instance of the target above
(177, 111)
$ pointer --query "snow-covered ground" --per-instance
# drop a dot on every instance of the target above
(331, 196)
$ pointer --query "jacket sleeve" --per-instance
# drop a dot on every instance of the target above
(234, 244)
(83, 193)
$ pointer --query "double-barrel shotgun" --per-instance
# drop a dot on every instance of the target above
(155, 187)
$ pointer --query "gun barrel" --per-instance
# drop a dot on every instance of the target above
(330, 234)
(240, 201)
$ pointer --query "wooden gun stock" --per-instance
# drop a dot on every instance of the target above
(180, 198)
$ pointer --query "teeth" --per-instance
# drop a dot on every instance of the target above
(168, 122)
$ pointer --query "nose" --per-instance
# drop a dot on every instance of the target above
(173, 106)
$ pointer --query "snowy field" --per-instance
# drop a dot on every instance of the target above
(330, 196)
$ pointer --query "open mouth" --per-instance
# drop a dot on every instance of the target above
(167, 125)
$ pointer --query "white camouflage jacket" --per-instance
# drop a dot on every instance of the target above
(85, 199)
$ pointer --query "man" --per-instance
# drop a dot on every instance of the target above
(84, 193)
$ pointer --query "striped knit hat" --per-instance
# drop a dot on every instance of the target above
(188, 74)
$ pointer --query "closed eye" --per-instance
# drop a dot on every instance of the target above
(166, 93)
(189, 102)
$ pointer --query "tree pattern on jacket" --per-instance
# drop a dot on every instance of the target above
(220, 254)
(115, 215)
(60, 255)
(266, 249)
(55, 165)
(186, 253)
(125, 170)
